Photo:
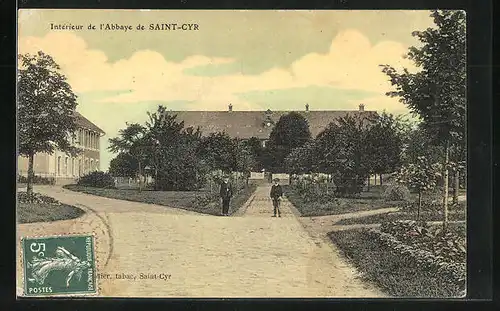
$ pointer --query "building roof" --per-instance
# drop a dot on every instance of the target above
(85, 123)
(247, 124)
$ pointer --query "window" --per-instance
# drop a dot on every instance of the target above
(58, 166)
(66, 166)
(91, 165)
(96, 165)
(86, 170)
(73, 166)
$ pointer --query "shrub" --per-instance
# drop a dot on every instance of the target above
(396, 193)
(205, 199)
(449, 246)
(37, 180)
(37, 198)
(453, 272)
(379, 258)
(97, 180)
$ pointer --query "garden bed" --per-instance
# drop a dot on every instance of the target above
(197, 201)
(44, 209)
(394, 216)
(396, 274)
(334, 206)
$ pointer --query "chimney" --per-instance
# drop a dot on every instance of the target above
(230, 107)
(361, 107)
(307, 107)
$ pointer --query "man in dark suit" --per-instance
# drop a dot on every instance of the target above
(226, 192)
(276, 194)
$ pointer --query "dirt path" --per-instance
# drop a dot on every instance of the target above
(194, 255)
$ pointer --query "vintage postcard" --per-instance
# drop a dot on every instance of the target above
(241, 154)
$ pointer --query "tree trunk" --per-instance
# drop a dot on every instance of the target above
(419, 204)
(381, 179)
(456, 186)
(156, 178)
(140, 176)
(31, 177)
(368, 187)
(446, 181)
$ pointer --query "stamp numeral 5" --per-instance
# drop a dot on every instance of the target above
(38, 248)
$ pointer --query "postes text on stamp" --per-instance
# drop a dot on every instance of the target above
(59, 265)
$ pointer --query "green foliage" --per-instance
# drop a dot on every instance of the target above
(45, 109)
(301, 160)
(97, 180)
(37, 180)
(257, 151)
(385, 144)
(437, 93)
(217, 150)
(37, 198)
(375, 256)
(124, 165)
(420, 143)
(421, 176)
(449, 246)
(291, 131)
(396, 193)
(343, 147)
(46, 106)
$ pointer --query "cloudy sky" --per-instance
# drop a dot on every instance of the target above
(253, 59)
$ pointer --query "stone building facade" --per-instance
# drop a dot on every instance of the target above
(66, 169)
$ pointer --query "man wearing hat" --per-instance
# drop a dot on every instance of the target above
(276, 194)
(225, 194)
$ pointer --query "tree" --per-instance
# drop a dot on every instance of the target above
(301, 159)
(217, 150)
(173, 151)
(244, 158)
(437, 93)
(385, 145)
(353, 155)
(131, 140)
(421, 176)
(46, 110)
(420, 143)
(162, 133)
(291, 131)
(257, 151)
(124, 165)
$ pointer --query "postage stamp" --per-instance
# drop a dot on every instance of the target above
(260, 153)
(59, 265)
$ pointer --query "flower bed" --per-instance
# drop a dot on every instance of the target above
(37, 198)
(378, 261)
(449, 246)
(43, 208)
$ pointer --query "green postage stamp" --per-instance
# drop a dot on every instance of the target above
(59, 265)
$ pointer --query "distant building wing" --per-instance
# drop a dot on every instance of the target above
(247, 124)
(85, 123)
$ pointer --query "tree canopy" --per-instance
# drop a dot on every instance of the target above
(291, 131)
(46, 107)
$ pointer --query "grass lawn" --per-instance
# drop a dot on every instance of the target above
(177, 199)
(366, 201)
(41, 212)
(393, 216)
(396, 275)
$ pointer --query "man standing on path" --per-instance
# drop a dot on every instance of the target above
(276, 194)
(225, 194)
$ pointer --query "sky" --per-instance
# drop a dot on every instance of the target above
(255, 60)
